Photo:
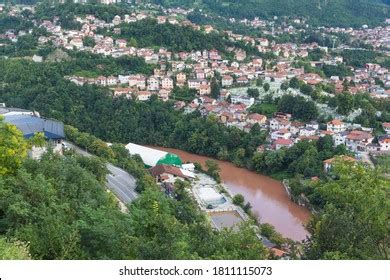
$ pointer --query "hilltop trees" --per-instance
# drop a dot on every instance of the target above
(298, 106)
(356, 200)
(324, 13)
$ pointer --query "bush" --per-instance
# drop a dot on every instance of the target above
(238, 200)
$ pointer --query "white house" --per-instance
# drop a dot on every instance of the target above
(280, 134)
(227, 81)
(386, 127)
(279, 123)
(111, 81)
(336, 126)
(384, 142)
(153, 84)
(357, 140)
(256, 118)
(307, 131)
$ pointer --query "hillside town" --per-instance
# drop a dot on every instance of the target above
(268, 94)
(203, 71)
(196, 70)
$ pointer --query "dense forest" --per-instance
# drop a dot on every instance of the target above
(355, 198)
(147, 33)
(319, 12)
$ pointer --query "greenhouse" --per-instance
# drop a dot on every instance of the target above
(152, 157)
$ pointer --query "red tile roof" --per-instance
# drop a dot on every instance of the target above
(282, 141)
(166, 169)
(358, 135)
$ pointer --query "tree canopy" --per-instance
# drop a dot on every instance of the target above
(354, 222)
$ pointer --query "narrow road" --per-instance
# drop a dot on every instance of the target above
(121, 183)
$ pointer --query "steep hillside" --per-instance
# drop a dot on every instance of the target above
(319, 12)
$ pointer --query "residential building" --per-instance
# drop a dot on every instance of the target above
(167, 83)
(227, 81)
(279, 123)
(386, 127)
(283, 143)
(336, 126)
(167, 173)
(281, 134)
(204, 90)
(357, 140)
(256, 118)
(384, 142)
(153, 84)
(328, 164)
(181, 78)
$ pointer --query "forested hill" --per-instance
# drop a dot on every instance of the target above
(319, 12)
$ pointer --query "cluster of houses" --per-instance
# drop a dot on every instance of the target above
(285, 133)
(356, 138)
(378, 36)
(195, 69)
(203, 65)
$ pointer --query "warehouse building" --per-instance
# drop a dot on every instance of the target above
(30, 123)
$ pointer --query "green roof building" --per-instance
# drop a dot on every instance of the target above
(152, 157)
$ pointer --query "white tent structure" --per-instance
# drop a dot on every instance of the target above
(152, 157)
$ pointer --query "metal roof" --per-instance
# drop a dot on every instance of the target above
(152, 157)
(29, 125)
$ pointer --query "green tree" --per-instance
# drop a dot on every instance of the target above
(213, 169)
(215, 88)
(357, 199)
(238, 199)
(294, 83)
(253, 92)
(259, 82)
(266, 87)
(13, 250)
(88, 41)
(344, 103)
(306, 89)
(38, 140)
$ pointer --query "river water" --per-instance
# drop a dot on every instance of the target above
(267, 196)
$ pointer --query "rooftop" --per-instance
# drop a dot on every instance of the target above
(29, 125)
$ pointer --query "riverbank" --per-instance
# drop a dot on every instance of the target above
(267, 196)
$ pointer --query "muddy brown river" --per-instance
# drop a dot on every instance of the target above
(267, 196)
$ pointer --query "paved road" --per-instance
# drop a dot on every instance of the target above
(121, 183)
